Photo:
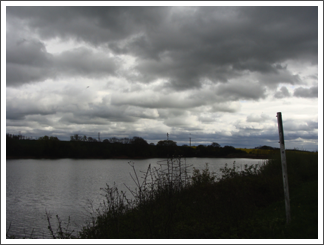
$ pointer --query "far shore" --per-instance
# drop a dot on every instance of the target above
(252, 156)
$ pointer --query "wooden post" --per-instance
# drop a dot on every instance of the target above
(284, 166)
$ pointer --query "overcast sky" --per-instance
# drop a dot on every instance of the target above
(212, 73)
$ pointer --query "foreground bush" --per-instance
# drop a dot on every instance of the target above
(169, 203)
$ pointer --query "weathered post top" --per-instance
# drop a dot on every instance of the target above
(281, 133)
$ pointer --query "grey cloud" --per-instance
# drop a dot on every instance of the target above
(292, 136)
(282, 93)
(280, 76)
(84, 62)
(306, 92)
(18, 109)
(300, 126)
(269, 135)
(218, 99)
(187, 45)
(203, 60)
(27, 61)
(258, 118)
(224, 43)
(98, 114)
(238, 91)
(173, 112)
(27, 52)
(208, 119)
(180, 122)
(95, 25)
(225, 107)
(154, 101)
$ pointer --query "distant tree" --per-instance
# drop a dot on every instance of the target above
(113, 140)
(44, 138)
(77, 137)
(90, 139)
(125, 141)
(54, 138)
(264, 147)
(138, 141)
(214, 144)
(152, 143)
(106, 141)
(229, 147)
(167, 143)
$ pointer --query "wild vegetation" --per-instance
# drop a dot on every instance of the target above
(233, 204)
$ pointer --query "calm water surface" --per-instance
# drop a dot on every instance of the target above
(69, 187)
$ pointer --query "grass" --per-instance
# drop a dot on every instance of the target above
(233, 204)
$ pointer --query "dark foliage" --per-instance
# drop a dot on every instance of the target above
(232, 206)
(88, 147)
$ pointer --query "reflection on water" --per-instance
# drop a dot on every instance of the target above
(67, 187)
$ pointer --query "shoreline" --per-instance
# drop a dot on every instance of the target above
(137, 158)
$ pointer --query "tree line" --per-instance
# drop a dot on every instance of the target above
(88, 147)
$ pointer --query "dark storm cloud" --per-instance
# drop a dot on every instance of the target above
(306, 92)
(29, 61)
(230, 40)
(93, 24)
(182, 69)
(186, 46)
(19, 108)
(84, 62)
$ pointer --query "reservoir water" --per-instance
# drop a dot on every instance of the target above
(71, 187)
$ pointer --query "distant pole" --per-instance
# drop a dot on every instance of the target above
(167, 136)
(284, 166)
(99, 137)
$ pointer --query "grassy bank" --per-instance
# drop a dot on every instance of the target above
(235, 204)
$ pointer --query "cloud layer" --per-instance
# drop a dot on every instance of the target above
(156, 69)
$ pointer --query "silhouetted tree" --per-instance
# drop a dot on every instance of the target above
(167, 143)
(138, 141)
(44, 138)
(214, 144)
